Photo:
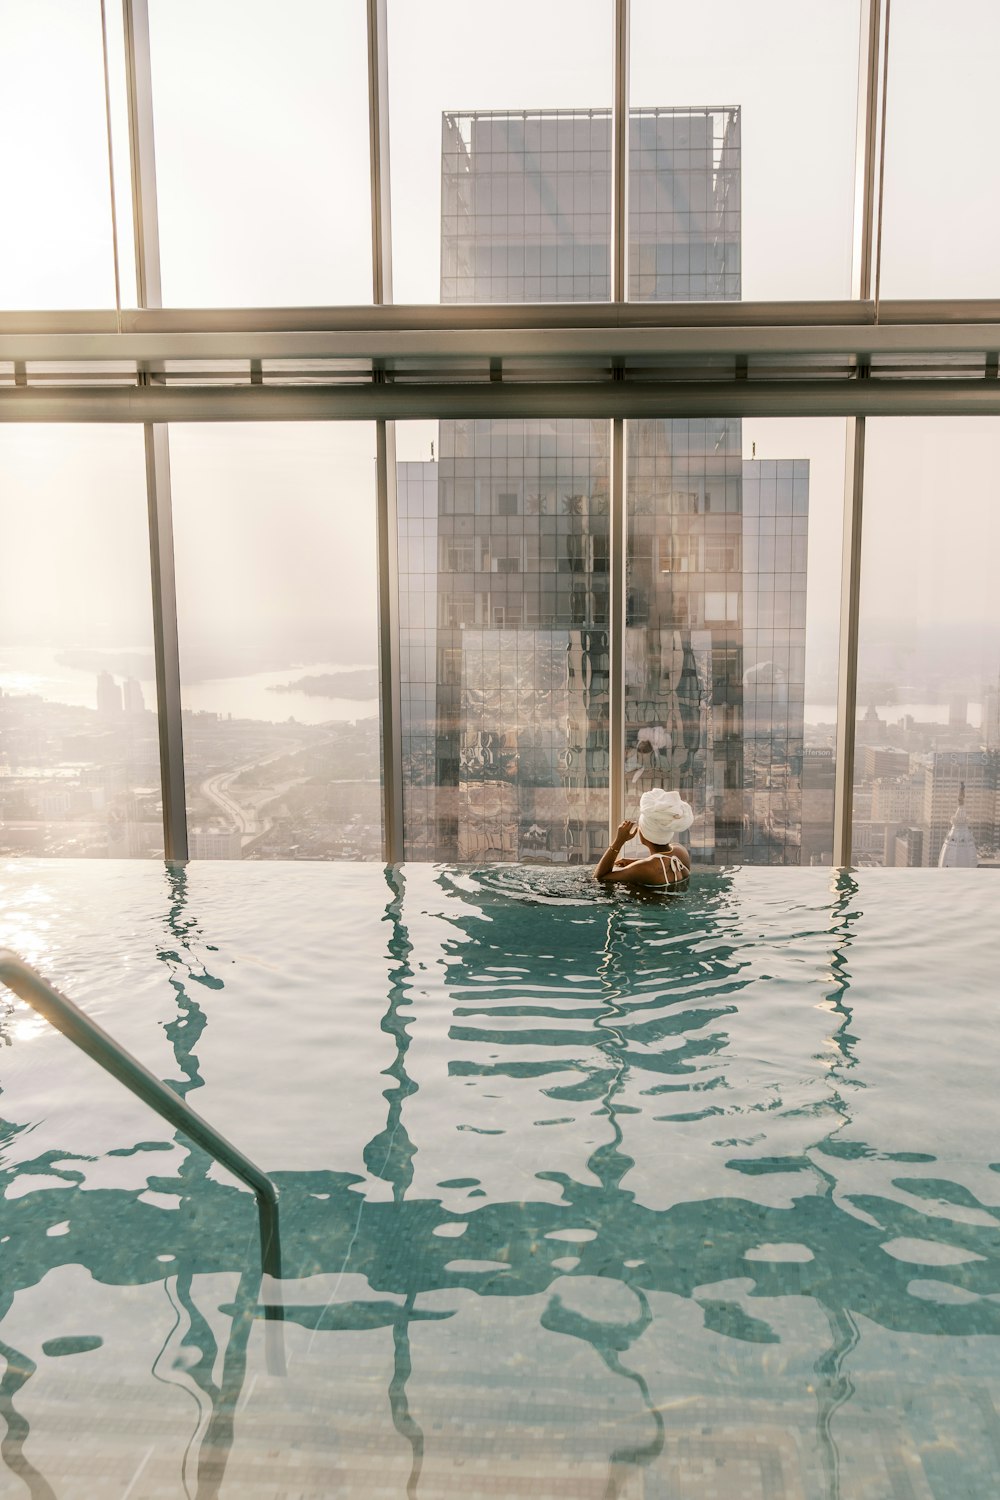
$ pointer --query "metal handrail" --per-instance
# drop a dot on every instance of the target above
(84, 1033)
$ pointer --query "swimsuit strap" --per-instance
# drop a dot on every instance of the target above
(677, 871)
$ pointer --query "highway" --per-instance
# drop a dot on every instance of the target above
(216, 789)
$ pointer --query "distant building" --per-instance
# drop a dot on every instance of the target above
(109, 695)
(134, 703)
(905, 848)
(212, 843)
(504, 559)
(974, 773)
(991, 717)
(959, 848)
(871, 730)
(894, 800)
(818, 785)
(876, 760)
(868, 840)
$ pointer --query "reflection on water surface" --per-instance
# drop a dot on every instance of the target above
(580, 1193)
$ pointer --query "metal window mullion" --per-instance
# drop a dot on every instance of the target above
(165, 648)
(619, 154)
(142, 153)
(390, 699)
(616, 631)
(142, 156)
(378, 142)
(847, 684)
(619, 293)
(390, 690)
(866, 179)
(865, 151)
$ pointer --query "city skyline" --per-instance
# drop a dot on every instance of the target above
(275, 526)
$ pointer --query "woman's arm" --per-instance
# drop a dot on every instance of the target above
(605, 864)
(638, 872)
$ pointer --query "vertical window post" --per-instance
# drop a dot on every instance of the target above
(619, 293)
(390, 700)
(161, 536)
(850, 583)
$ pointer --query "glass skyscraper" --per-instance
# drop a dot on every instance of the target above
(504, 540)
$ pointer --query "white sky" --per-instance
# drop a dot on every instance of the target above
(262, 162)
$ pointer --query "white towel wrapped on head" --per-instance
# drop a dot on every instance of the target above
(663, 814)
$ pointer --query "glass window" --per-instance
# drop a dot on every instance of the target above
(79, 751)
(733, 576)
(742, 149)
(277, 619)
(262, 158)
(928, 731)
(56, 249)
(941, 214)
(500, 150)
(504, 652)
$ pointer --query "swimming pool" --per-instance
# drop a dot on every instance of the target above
(581, 1194)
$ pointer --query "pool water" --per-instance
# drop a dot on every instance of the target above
(582, 1194)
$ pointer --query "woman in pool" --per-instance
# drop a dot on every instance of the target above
(662, 815)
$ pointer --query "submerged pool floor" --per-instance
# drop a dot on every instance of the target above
(582, 1195)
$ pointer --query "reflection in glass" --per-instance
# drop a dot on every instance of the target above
(275, 546)
(717, 547)
(504, 536)
(504, 642)
(684, 205)
(79, 752)
(715, 645)
(927, 765)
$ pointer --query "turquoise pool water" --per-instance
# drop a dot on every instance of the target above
(581, 1194)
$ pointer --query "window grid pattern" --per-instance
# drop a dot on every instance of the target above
(684, 205)
(505, 667)
(514, 577)
(526, 207)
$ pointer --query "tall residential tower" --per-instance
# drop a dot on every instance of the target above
(504, 541)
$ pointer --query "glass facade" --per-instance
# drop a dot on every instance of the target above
(254, 154)
(504, 641)
(928, 731)
(504, 539)
(273, 527)
(79, 753)
(940, 215)
(261, 152)
(715, 642)
(526, 206)
(684, 208)
(530, 53)
(54, 176)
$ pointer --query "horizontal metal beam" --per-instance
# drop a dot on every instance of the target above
(387, 346)
(503, 399)
(428, 316)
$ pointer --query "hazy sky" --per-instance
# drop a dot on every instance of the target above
(262, 159)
